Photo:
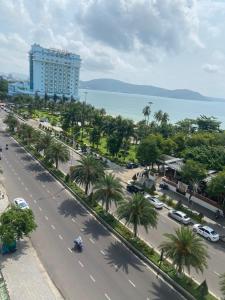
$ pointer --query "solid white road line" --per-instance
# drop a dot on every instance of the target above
(131, 282)
(53, 227)
(61, 238)
(80, 263)
(107, 297)
(92, 278)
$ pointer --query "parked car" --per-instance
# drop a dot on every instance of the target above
(164, 186)
(179, 216)
(21, 203)
(131, 165)
(206, 232)
(132, 188)
(154, 201)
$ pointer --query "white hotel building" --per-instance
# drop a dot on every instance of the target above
(54, 72)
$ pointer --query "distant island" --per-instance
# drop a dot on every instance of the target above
(112, 85)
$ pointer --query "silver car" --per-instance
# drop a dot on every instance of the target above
(179, 216)
(206, 232)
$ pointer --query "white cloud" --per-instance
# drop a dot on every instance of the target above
(211, 68)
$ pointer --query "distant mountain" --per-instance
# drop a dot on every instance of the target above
(112, 85)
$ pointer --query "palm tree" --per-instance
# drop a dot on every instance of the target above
(44, 142)
(108, 190)
(88, 172)
(222, 284)
(57, 152)
(138, 211)
(158, 115)
(165, 118)
(185, 249)
(26, 132)
(146, 112)
(11, 122)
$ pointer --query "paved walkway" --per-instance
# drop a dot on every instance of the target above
(23, 272)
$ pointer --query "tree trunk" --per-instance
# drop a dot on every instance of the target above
(86, 189)
(135, 230)
(56, 162)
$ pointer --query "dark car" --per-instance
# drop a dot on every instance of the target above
(131, 165)
(134, 189)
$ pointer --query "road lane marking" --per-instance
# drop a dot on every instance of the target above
(43, 185)
(31, 195)
(22, 183)
(82, 229)
(91, 240)
(131, 282)
(26, 189)
(70, 250)
(102, 252)
(35, 201)
(19, 178)
(80, 263)
(116, 267)
(217, 273)
(53, 227)
(61, 238)
(74, 221)
(48, 191)
(53, 197)
(40, 208)
(92, 278)
(107, 297)
(46, 218)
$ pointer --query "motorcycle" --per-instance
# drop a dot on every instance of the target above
(217, 214)
(78, 244)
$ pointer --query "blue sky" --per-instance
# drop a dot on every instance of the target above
(167, 43)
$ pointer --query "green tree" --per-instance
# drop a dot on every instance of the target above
(114, 143)
(15, 223)
(3, 87)
(146, 112)
(192, 173)
(44, 142)
(185, 249)
(11, 122)
(222, 284)
(26, 133)
(148, 151)
(87, 172)
(107, 190)
(95, 136)
(57, 152)
(216, 186)
(138, 212)
(208, 123)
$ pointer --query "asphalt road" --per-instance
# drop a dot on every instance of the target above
(105, 269)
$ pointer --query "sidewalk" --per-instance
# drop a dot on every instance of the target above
(23, 272)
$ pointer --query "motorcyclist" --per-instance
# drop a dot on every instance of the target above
(78, 242)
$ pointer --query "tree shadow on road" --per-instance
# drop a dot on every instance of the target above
(121, 259)
(70, 208)
(44, 177)
(34, 167)
(92, 227)
(27, 158)
(161, 291)
(13, 144)
(20, 150)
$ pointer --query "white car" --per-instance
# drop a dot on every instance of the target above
(206, 232)
(154, 201)
(21, 203)
(179, 216)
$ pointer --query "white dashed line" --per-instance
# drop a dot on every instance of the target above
(107, 297)
(26, 189)
(116, 267)
(102, 252)
(91, 240)
(70, 250)
(74, 221)
(82, 229)
(22, 183)
(80, 263)
(35, 201)
(53, 197)
(31, 195)
(19, 178)
(131, 282)
(48, 191)
(92, 278)
(40, 208)
(61, 238)
(217, 273)
(53, 227)
(46, 218)
(43, 185)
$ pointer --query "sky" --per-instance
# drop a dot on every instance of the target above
(167, 43)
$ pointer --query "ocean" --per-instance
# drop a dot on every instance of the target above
(131, 106)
